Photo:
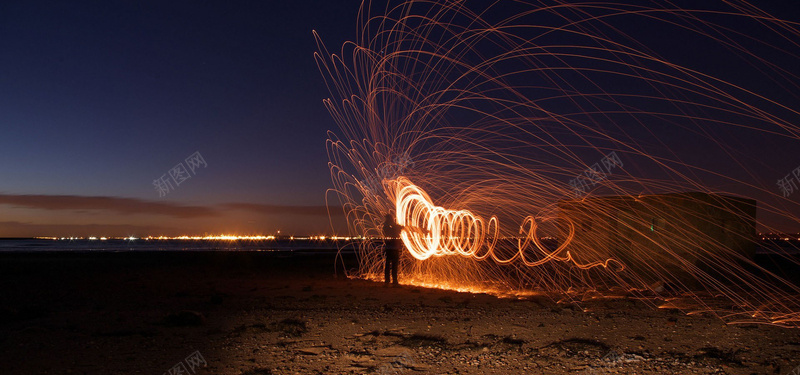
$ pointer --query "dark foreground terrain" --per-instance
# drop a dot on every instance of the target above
(255, 313)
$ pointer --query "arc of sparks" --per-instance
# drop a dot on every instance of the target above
(435, 231)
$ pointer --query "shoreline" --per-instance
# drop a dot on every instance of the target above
(134, 312)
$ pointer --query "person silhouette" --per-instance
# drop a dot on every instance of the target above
(392, 244)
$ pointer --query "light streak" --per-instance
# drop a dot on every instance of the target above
(494, 110)
(460, 232)
(221, 237)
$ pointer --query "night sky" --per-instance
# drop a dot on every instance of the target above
(99, 99)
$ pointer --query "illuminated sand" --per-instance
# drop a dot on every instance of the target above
(106, 314)
(476, 122)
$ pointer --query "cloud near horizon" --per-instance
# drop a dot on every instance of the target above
(274, 209)
(20, 229)
(140, 206)
(116, 204)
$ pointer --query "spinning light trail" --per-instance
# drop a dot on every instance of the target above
(450, 232)
(580, 150)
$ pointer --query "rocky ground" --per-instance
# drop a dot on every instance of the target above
(253, 314)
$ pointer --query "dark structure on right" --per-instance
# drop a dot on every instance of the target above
(676, 238)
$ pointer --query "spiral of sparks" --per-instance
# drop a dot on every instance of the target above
(580, 150)
(460, 232)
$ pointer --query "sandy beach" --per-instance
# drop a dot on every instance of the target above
(256, 313)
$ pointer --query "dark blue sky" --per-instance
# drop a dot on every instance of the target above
(98, 99)
(101, 98)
